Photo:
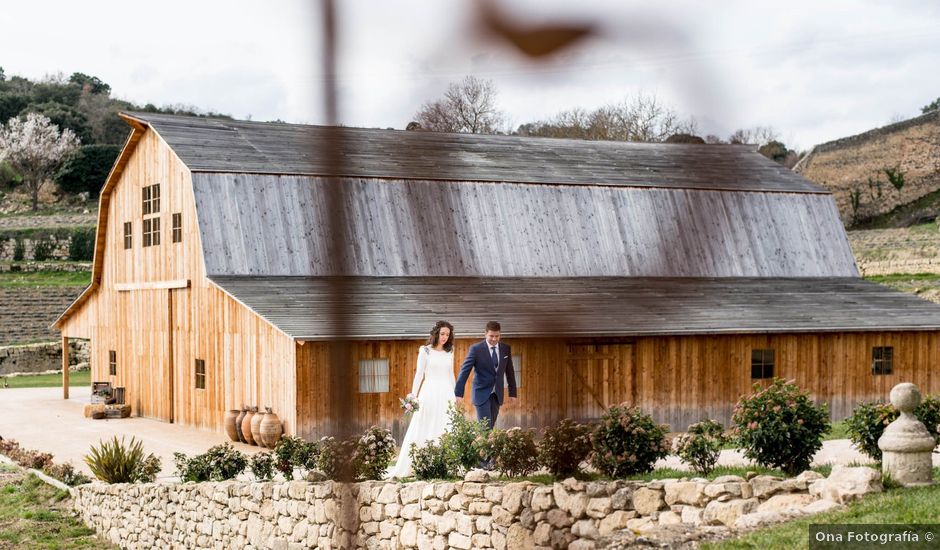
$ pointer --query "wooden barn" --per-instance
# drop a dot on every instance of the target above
(669, 276)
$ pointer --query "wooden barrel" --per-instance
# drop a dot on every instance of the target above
(238, 424)
(271, 429)
(256, 427)
(230, 430)
(246, 426)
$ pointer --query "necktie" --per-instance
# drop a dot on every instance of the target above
(495, 358)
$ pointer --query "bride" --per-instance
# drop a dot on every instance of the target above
(436, 370)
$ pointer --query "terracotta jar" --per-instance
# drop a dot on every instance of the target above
(256, 427)
(271, 429)
(246, 425)
(230, 430)
(238, 424)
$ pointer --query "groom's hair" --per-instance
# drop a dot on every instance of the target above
(493, 326)
(436, 335)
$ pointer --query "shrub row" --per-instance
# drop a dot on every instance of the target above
(37, 460)
(81, 243)
(869, 420)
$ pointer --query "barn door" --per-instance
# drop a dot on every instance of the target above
(151, 353)
(597, 376)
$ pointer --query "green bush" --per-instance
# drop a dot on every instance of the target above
(564, 447)
(512, 451)
(293, 452)
(337, 459)
(780, 427)
(87, 168)
(374, 451)
(869, 420)
(19, 250)
(82, 245)
(262, 466)
(43, 249)
(66, 474)
(701, 446)
(429, 461)
(462, 442)
(113, 462)
(627, 442)
(219, 463)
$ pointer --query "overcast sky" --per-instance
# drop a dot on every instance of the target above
(815, 71)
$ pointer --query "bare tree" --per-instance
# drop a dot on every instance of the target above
(467, 107)
(34, 147)
(757, 135)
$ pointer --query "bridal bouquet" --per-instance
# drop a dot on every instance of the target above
(409, 404)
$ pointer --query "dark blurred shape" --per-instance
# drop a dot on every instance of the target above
(533, 40)
(414, 127)
(684, 138)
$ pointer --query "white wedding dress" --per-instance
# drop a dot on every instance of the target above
(436, 370)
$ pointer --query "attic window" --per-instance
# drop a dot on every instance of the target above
(152, 232)
(882, 360)
(177, 228)
(373, 376)
(128, 235)
(762, 363)
(151, 199)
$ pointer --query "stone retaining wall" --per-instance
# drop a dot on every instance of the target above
(27, 313)
(36, 358)
(469, 514)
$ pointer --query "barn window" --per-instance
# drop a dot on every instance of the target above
(200, 374)
(112, 363)
(128, 235)
(152, 232)
(762, 363)
(151, 199)
(177, 227)
(373, 376)
(882, 360)
(517, 367)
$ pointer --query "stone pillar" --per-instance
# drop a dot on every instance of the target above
(906, 445)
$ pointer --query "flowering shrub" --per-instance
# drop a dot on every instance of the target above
(780, 427)
(429, 461)
(66, 474)
(700, 447)
(337, 459)
(409, 404)
(37, 460)
(627, 442)
(262, 466)
(512, 451)
(564, 447)
(219, 463)
(293, 452)
(869, 420)
(462, 442)
(374, 451)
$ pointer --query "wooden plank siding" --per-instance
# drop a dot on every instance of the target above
(158, 327)
(679, 380)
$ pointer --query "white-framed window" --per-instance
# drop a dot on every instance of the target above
(373, 375)
(517, 368)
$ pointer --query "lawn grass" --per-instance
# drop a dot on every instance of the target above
(35, 515)
(80, 378)
(839, 431)
(902, 277)
(905, 506)
(34, 279)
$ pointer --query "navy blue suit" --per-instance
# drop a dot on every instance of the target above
(488, 379)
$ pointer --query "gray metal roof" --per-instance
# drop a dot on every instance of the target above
(399, 307)
(216, 145)
(277, 225)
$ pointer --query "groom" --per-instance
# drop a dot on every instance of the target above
(492, 363)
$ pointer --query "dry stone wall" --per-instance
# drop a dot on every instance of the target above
(27, 313)
(464, 515)
(36, 358)
(913, 146)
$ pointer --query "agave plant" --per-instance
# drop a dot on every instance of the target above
(113, 462)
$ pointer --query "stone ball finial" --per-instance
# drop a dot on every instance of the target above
(905, 397)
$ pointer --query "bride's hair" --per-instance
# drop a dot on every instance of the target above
(436, 335)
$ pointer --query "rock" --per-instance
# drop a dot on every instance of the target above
(845, 484)
(646, 501)
(622, 499)
(637, 524)
(739, 489)
(615, 521)
(494, 494)
(480, 541)
(726, 513)
(410, 493)
(447, 523)
(477, 476)
(408, 537)
(765, 486)
(512, 496)
(729, 479)
(692, 515)
(518, 537)
(785, 503)
(471, 489)
(558, 518)
(599, 507)
(759, 519)
(480, 508)
(582, 544)
(456, 540)
(669, 518)
(685, 492)
(585, 528)
(820, 506)
(542, 535)
(542, 499)
(388, 494)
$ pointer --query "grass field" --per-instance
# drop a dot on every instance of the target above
(35, 515)
(80, 378)
(13, 279)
